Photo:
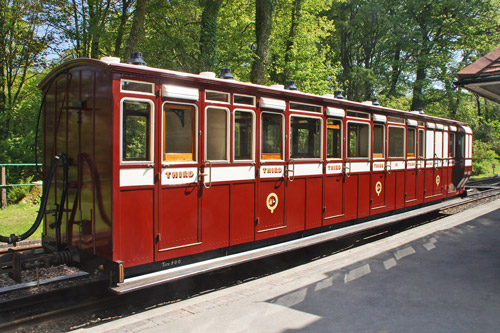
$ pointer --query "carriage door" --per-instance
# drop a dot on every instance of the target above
(379, 166)
(438, 160)
(137, 181)
(411, 163)
(271, 187)
(334, 178)
(179, 186)
(430, 163)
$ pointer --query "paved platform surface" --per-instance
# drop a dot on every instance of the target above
(440, 277)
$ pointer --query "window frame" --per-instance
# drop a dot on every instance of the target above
(254, 135)
(421, 148)
(151, 131)
(217, 92)
(320, 137)
(341, 138)
(383, 141)
(282, 144)
(369, 150)
(415, 138)
(228, 134)
(195, 134)
(389, 139)
(152, 84)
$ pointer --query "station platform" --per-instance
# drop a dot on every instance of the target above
(440, 277)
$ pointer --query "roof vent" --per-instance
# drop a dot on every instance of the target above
(421, 111)
(225, 73)
(290, 85)
(136, 59)
(338, 94)
(111, 60)
(375, 102)
(278, 86)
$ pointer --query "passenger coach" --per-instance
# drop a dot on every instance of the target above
(168, 168)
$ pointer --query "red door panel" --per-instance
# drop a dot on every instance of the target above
(314, 207)
(271, 207)
(215, 217)
(351, 197)
(364, 195)
(242, 227)
(334, 198)
(400, 189)
(410, 187)
(178, 225)
(296, 204)
(378, 192)
(136, 218)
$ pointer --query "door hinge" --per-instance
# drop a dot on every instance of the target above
(158, 237)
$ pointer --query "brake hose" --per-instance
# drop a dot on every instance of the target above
(13, 239)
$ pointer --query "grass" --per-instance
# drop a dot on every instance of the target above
(17, 219)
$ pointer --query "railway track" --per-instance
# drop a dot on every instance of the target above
(83, 300)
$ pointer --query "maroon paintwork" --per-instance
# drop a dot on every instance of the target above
(156, 222)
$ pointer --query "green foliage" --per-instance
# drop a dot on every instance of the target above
(17, 193)
(484, 157)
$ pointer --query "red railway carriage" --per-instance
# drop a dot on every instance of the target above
(167, 168)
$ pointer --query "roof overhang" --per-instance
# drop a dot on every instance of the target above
(483, 76)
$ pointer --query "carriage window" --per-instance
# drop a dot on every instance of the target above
(179, 132)
(421, 143)
(411, 143)
(217, 96)
(396, 142)
(451, 145)
(378, 141)
(138, 87)
(460, 152)
(334, 143)
(217, 140)
(305, 137)
(272, 137)
(244, 99)
(243, 135)
(136, 131)
(358, 139)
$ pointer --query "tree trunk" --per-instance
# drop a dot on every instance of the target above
(263, 27)
(296, 13)
(418, 87)
(396, 71)
(121, 28)
(136, 31)
(208, 35)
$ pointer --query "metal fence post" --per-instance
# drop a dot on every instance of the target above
(4, 189)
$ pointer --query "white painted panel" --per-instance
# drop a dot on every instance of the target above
(230, 173)
(467, 129)
(412, 122)
(172, 91)
(468, 162)
(439, 127)
(396, 165)
(271, 103)
(335, 112)
(359, 166)
(176, 176)
(429, 144)
(453, 128)
(378, 166)
(333, 168)
(137, 177)
(309, 169)
(272, 171)
(379, 118)
(431, 125)
(445, 144)
(469, 146)
(439, 145)
(411, 164)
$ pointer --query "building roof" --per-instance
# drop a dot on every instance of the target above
(483, 76)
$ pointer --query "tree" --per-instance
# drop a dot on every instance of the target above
(208, 34)
(137, 29)
(263, 28)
